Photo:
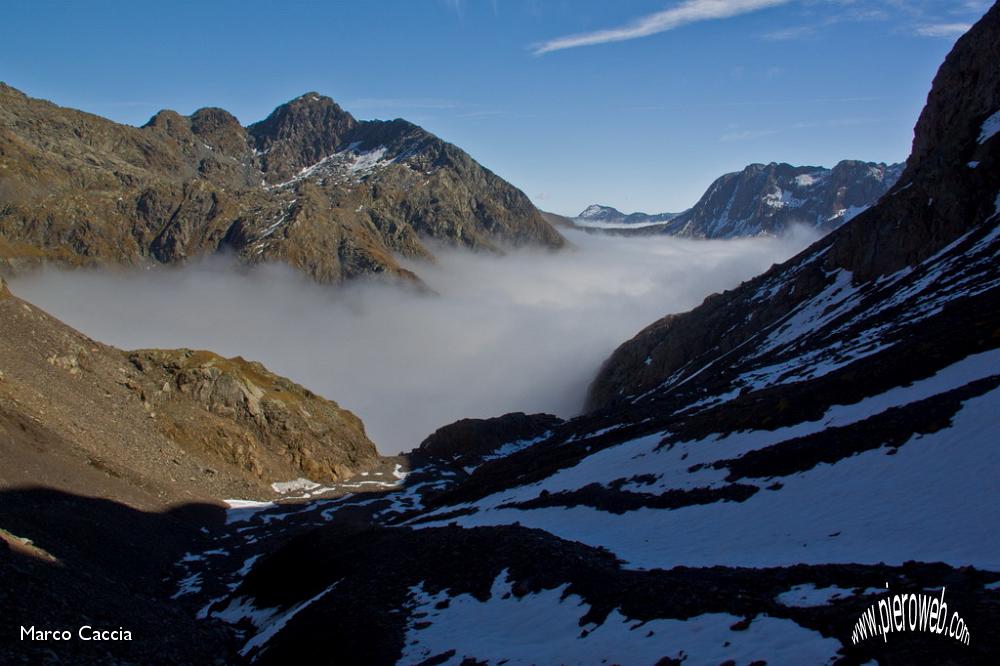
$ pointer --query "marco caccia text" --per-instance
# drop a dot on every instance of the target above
(84, 633)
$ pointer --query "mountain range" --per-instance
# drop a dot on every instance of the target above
(763, 199)
(747, 479)
(309, 186)
(597, 216)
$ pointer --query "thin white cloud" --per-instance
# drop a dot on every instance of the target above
(942, 29)
(402, 103)
(689, 11)
(789, 34)
(748, 135)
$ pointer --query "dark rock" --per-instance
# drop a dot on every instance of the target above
(471, 439)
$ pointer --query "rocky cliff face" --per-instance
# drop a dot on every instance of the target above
(309, 186)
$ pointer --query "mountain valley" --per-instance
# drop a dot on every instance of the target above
(744, 480)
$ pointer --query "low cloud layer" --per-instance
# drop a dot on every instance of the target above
(524, 332)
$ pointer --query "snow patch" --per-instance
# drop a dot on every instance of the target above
(545, 628)
(990, 127)
(839, 512)
(808, 595)
(278, 623)
(296, 485)
(243, 510)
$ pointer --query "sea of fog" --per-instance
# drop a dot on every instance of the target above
(521, 332)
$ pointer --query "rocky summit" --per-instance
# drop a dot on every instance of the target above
(309, 186)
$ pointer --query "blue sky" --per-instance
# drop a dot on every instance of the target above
(636, 104)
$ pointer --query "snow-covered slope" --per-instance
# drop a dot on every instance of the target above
(748, 479)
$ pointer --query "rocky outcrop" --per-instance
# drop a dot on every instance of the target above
(152, 427)
(292, 432)
(309, 186)
(470, 440)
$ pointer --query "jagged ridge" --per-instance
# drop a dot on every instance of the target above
(309, 186)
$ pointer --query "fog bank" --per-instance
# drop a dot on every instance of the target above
(524, 332)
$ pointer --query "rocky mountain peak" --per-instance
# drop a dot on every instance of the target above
(300, 133)
(219, 129)
(600, 212)
(168, 121)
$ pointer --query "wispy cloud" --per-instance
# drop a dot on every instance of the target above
(751, 134)
(837, 122)
(689, 11)
(942, 29)
(789, 34)
(783, 101)
(748, 135)
(403, 103)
